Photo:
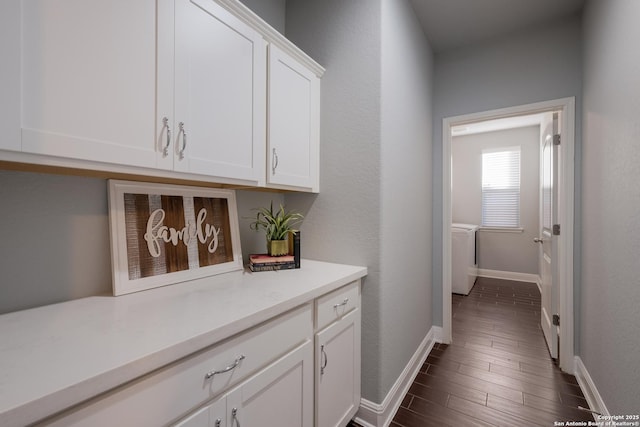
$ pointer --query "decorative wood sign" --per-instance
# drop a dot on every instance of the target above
(166, 234)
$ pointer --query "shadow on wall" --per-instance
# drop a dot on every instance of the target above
(55, 244)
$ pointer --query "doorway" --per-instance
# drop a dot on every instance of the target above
(566, 107)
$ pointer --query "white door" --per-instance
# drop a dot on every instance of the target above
(220, 93)
(88, 80)
(547, 238)
(280, 395)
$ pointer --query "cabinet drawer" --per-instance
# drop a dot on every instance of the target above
(338, 303)
(171, 392)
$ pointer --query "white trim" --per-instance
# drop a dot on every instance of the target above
(270, 34)
(589, 389)
(372, 414)
(565, 240)
(566, 215)
(509, 275)
(18, 160)
(437, 333)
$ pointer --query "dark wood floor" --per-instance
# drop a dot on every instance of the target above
(497, 371)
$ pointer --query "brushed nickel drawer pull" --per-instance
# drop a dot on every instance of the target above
(346, 300)
(227, 369)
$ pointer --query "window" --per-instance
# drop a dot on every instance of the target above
(501, 187)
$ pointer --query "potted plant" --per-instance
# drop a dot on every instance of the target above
(277, 226)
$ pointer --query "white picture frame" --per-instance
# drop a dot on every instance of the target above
(166, 234)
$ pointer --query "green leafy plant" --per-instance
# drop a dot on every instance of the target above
(276, 224)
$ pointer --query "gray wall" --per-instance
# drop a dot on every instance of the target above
(272, 11)
(512, 252)
(343, 221)
(55, 237)
(520, 69)
(611, 202)
(374, 205)
(405, 238)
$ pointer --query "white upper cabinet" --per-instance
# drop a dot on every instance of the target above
(10, 75)
(110, 82)
(163, 88)
(294, 123)
(88, 79)
(220, 93)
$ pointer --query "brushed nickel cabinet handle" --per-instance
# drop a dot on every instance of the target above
(227, 369)
(345, 302)
(234, 416)
(184, 140)
(165, 124)
(274, 162)
(326, 360)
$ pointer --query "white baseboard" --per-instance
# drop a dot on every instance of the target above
(509, 275)
(437, 334)
(372, 414)
(589, 388)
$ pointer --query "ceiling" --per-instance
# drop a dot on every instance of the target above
(450, 24)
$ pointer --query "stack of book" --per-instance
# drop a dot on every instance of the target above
(265, 262)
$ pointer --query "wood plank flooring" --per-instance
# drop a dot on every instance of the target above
(497, 371)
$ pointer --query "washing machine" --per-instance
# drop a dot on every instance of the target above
(464, 257)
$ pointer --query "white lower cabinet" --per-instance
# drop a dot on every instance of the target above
(281, 373)
(168, 394)
(213, 414)
(337, 376)
(280, 395)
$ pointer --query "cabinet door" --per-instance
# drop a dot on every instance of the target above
(338, 371)
(10, 74)
(212, 415)
(220, 93)
(280, 395)
(294, 122)
(88, 79)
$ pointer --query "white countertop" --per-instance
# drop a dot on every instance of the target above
(54, 356)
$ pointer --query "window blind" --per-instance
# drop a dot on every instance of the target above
(501, 187)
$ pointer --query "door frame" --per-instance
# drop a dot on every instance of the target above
(566, 184)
